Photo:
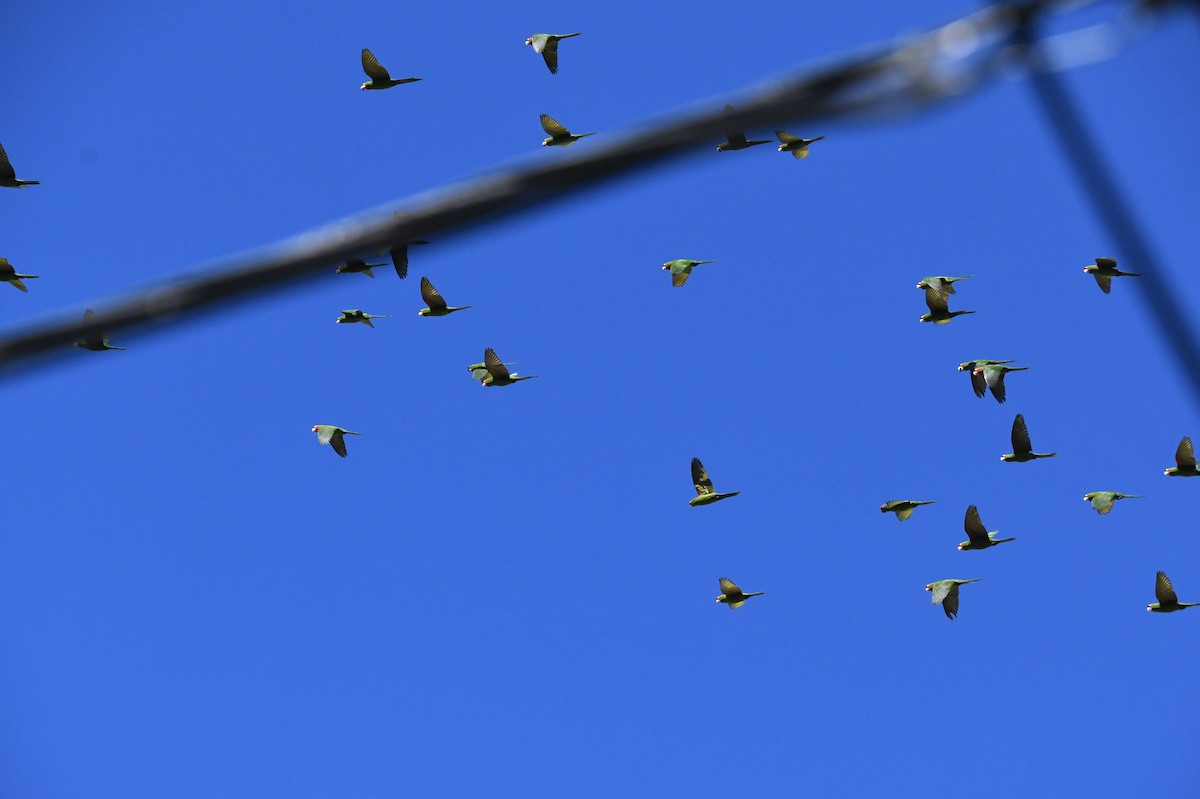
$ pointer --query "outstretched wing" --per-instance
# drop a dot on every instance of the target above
(1020, 436)
(1106, 263)
(785, 137)
(950, 602)
(431, 296)
(1103, 281)
(552, 126)
(1164, 590)
(6, 169)
(494, 365)
(1102, 502)
(372, 67)
(681, 277)
(995, 381)
(936, 300)
(978, 384)
(728, 587)
(700, 478)
(549, 51)
(338, 441)
(1185, 458)
(974, 526)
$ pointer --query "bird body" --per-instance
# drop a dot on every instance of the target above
(681, 270)
(8, 176)
(355, 315)
(978, 384)
(736, 139)
(547, 45)
(993, 376)
(96, 342)
(945, 593)
(379, 77)
(1185, 460)
(559, 136)
(903, 508)
(795, 145)
(1022, 448)
(497, 373)
(705, 494)
(733, 596)
(9, 275)
(333, 436)
(1167, 602)
(1102, 501)
(1104, 270)
(978, 536)
(437, 305)
(357, 265)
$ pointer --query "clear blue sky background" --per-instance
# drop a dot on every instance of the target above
(504, 592)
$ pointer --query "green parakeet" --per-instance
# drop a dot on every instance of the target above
(355, 315)
(903, 508)
(945, 593)
(357, 265)
(379, 77)
(939, 311)
(9, 275)
(1102, 501)
(942, 283)
(1185, 460)
(795, 145)
(8, 176)
(733, 596)
(497, 372)
(1022, 449)
(399, 253)
(1104, 270)
(96, 342)
(705, 495)
(547, 45)
(681, 270)
(993, 377)
(978, 536)
(978, 384)
(558, 135)
(736, 139)
(437, 305)
(1167, 602)
(333, 436)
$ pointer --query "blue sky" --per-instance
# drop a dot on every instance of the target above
(504, 592)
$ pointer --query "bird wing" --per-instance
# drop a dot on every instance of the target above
(431, 296)
(399, 255)
(6, 269)
(1020, 436)
(995, 381)
(1102, 502)
(89, 315)
(942, 589)
(978, 384)
(728, 587)
(552, 126)
(372, 67)
(1103, 281)
(785, 137)
(1164, 590)
(700, 478)
(325, 433)
(1185, 458)
(338, 441)
(735, 136)
(494, 365)
(974, 526)
(6, 169)
(935, 298)
(904, 513)
(950, 602)
(799, 153)
(680, 277)
(1106, 263)
(549, 51)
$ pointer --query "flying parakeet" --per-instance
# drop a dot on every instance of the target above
(681, 270)
(1185, 460)
(903, 508)
(978, 384)
(558, 135)
(8, 176)
(705, 495)
(1104, 270)
(978, 535)
(942, 283)
(547, 45)
(357, 265)
(1102, 501)
(437, 305)
(334, 436)
(379, 77)
(993, 377)
(355, 315)
(939, 311)
(96, 342)
(9, 275)
(733, 596)
(497, 372)
(736, 139)
(1022, 449)
(795, 145)
(945, 593)
(1167, 602)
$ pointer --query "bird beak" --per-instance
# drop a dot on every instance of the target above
(929, 587)
(529, 40)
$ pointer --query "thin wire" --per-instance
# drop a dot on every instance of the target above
(911, 75)
(1116, 213)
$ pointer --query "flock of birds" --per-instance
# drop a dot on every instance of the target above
(986, 375)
